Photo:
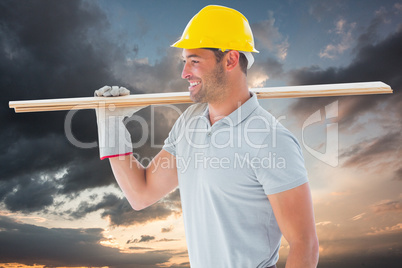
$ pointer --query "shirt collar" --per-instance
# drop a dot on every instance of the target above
(238, 115)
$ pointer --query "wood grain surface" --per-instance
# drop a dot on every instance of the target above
(184, 97)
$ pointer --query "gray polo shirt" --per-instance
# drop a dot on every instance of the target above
(225, 173)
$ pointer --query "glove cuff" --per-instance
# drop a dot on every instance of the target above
(116, 155)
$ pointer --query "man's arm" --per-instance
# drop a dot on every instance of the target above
(144, 186)
(293, 211)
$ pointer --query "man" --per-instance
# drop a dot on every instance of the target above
(240, 173)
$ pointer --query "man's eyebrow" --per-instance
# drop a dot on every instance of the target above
(192, 56)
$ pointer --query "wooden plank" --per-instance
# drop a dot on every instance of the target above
(184, 97)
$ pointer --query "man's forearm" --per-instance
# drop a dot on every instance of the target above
(303, 255)
(130, 175)
(144, 186)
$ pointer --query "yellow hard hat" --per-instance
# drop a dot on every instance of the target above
(218, 27)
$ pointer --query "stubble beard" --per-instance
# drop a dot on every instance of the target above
(213, 87)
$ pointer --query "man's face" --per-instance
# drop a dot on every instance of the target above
(206, 77)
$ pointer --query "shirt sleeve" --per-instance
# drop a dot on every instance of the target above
(170, 144)
(280, 163)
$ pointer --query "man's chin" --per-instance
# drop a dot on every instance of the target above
(197, 98)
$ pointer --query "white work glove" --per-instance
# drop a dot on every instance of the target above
(114, 138)
(113, 91)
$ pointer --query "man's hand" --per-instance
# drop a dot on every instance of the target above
(114, 139)
(113, 91)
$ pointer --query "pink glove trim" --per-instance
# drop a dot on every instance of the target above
(115, 155)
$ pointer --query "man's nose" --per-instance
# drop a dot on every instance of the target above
(186, 73)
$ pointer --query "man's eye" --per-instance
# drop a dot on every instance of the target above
(192, 61)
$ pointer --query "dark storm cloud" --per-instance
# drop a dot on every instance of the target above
(39, 193)
(84, 174)
(50, 49)
(270, 66)
(144, 238)
(33, 154)
(53, 49)
(35, 166)
(369, 152)
(379, 62)
(162, 76)
(56, 49)
(65, 247)
(123, 215)
(120, 213)
(370, 36)
(377, 154)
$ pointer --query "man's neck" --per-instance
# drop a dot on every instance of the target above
(235, 98)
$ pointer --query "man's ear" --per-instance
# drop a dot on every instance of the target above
(232, 59)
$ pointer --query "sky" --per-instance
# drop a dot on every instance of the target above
(60, 205)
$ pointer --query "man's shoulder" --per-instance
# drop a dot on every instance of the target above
(260, 111)
(262, 118)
